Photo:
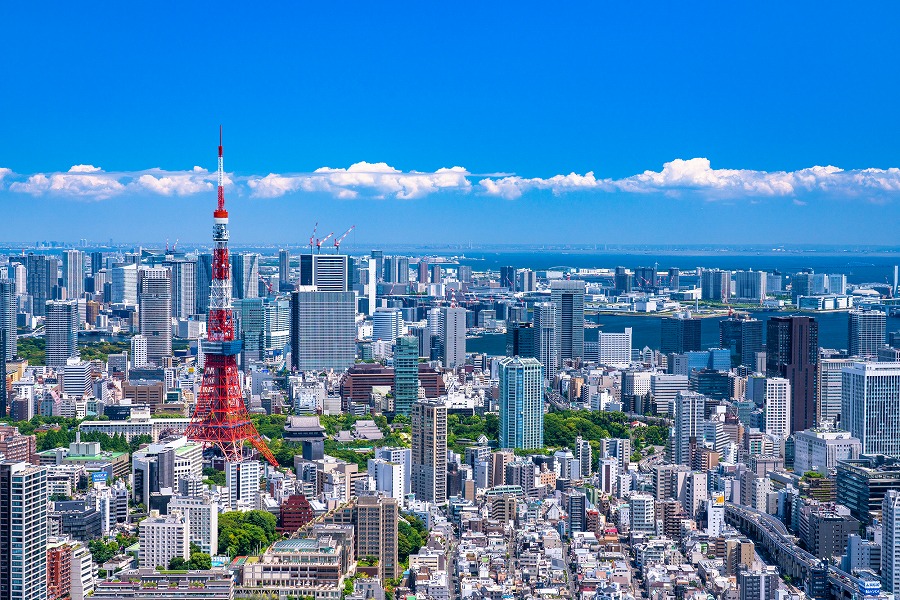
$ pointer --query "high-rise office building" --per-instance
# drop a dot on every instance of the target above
(41, 279)
(61, 332)
(204, 280)
(802, 284)
(890, 541)
(323, 330)
(792, 352)
(866, 332)
(646, 279)
(97, 262)
(521, 403)
(750, 285)
(429, 451)
(8, 316)
(508, 277)
(520, 339)
(23, 531)
(203, 520)
(387, 324)
(138, 351)
(183, 274)
(614, 349)
(680, 334)
(124, 284)
(155, 312)
(250, 317)
(674, 279)
(328, 272)
(664, 388)
(622, 281)
(376, 522)
(406, 374)
(437, 273)
(546, 349)
(715, 285)
(829, 385)
(378, 256)
(870, 407)
(244, 276)
(73, 273)
(777, 405)
(396, 269)
(526, 281)
(277, 330)
(464, 274)
(422, 271)
(454, 336)
(284, 270)
(688, 419)
(568, 296)
(584, 455)
(743, 337)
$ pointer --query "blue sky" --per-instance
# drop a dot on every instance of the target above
(699, 124)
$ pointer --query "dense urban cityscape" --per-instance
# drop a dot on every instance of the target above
(313, 424)
(450, 301)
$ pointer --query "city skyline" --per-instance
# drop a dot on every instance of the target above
(786, 133)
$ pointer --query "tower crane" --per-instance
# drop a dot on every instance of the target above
(322, 241)
(337, 241)
(312, 238)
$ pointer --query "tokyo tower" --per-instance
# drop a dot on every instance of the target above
(220, 418)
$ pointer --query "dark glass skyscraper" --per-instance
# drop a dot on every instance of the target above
(680, 335)
(568, 296)
(792, 352)
(743, 336)
(508, 277)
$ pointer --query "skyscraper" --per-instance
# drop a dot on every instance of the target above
(568, 296)
(508, 277)
(8, 315)
(521, 403)
(870, 406)
(715, 285)
(376, 523)
(777, 406)
(743, 337)
(73, 273)
(545, 345)
(396, 269)
(750, 285)
(454, 336)
(622, 281)
(689, 412)
(387, 324)
(378, 256)
(284, 270)
(204, 280)
(890, 541)
(23, 531)
(155, 314)
(829, 383)
(674, 279)
(680, 335)
(61, 332)
(520, 339)
(866, 332)
(41, 279)
(406, 374)
(792, 352)
(244, 276)
(138, 351)
(124, 284)
(183, 274)
(328, 272)
(323, 330)
(429, 451)
(422, 271)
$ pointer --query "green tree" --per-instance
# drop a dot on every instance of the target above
(177, 563)
(200, 560)
(102, 551)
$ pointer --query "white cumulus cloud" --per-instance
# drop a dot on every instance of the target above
(679, 178)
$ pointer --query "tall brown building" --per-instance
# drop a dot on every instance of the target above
(792, 352)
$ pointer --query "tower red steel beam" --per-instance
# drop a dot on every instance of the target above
(220, 417)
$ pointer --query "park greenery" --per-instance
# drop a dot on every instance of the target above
(104, 549)
(102, 350)
(32, 349)
(411, 535)
(244, 533)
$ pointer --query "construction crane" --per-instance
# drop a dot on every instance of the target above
(322, 241)
(312, 238)
(337, 241)
(268, 285)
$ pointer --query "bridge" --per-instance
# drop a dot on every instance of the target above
(821, 579)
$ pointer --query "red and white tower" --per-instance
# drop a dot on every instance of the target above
(220, 418)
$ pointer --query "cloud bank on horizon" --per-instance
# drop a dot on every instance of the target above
(693, 177)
